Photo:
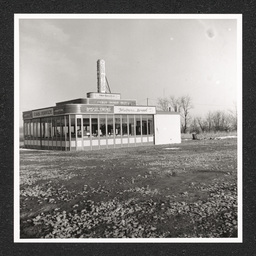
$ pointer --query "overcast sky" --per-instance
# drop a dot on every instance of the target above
(144, 59)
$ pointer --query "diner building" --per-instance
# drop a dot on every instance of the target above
(101, 120)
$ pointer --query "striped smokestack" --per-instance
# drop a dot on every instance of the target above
(101, 79)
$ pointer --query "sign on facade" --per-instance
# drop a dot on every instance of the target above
(96, 109)
(134, 110)
(42, 112)
(97, 95)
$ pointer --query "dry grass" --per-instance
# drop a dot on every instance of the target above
(208, 135)
(186, 190)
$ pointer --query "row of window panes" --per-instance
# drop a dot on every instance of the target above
(47, 128)
(108, 125)
(89, 126)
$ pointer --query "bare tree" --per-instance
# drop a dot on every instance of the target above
(182, 104)
(185, 107)
(202, 123)
(175, 103)
(163, 104)
(233, 117)
(209, 121)
(217, 121)
(194, 126)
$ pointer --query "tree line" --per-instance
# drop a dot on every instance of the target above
(213, 121)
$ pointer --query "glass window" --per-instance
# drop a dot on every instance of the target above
(31, 129)
(138, 123)
(150, 125)
(94, 126)
(38, 129)
(110, 127)
(73, 126)
(58, 128)
(53, 128)
(62, 126)
(43, 121)
(47, 128)
(131, 124)
(124, 125)
(144, 125)
(102, 125)
(117, 126)
(86, 126)
(79, 127)
(67, 126)
(50, 128)
(34, 128)
(26, 131)
(24, 128)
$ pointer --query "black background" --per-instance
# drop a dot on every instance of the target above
(7, 11)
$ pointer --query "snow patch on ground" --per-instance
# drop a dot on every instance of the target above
(225, 137)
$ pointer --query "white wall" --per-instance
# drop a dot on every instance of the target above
(167, 129)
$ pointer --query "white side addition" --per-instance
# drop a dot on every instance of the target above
(167, 129)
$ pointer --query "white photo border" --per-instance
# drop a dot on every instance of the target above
(17, 18)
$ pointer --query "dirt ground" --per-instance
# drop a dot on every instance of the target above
(179, 190)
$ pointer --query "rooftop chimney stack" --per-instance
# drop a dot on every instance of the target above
(101, 77)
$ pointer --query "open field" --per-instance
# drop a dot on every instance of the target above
(181, 190)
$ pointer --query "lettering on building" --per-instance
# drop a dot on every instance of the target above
(96, 109)
(27, 115)
(134, 110)
(58, 111)
(43, 112)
